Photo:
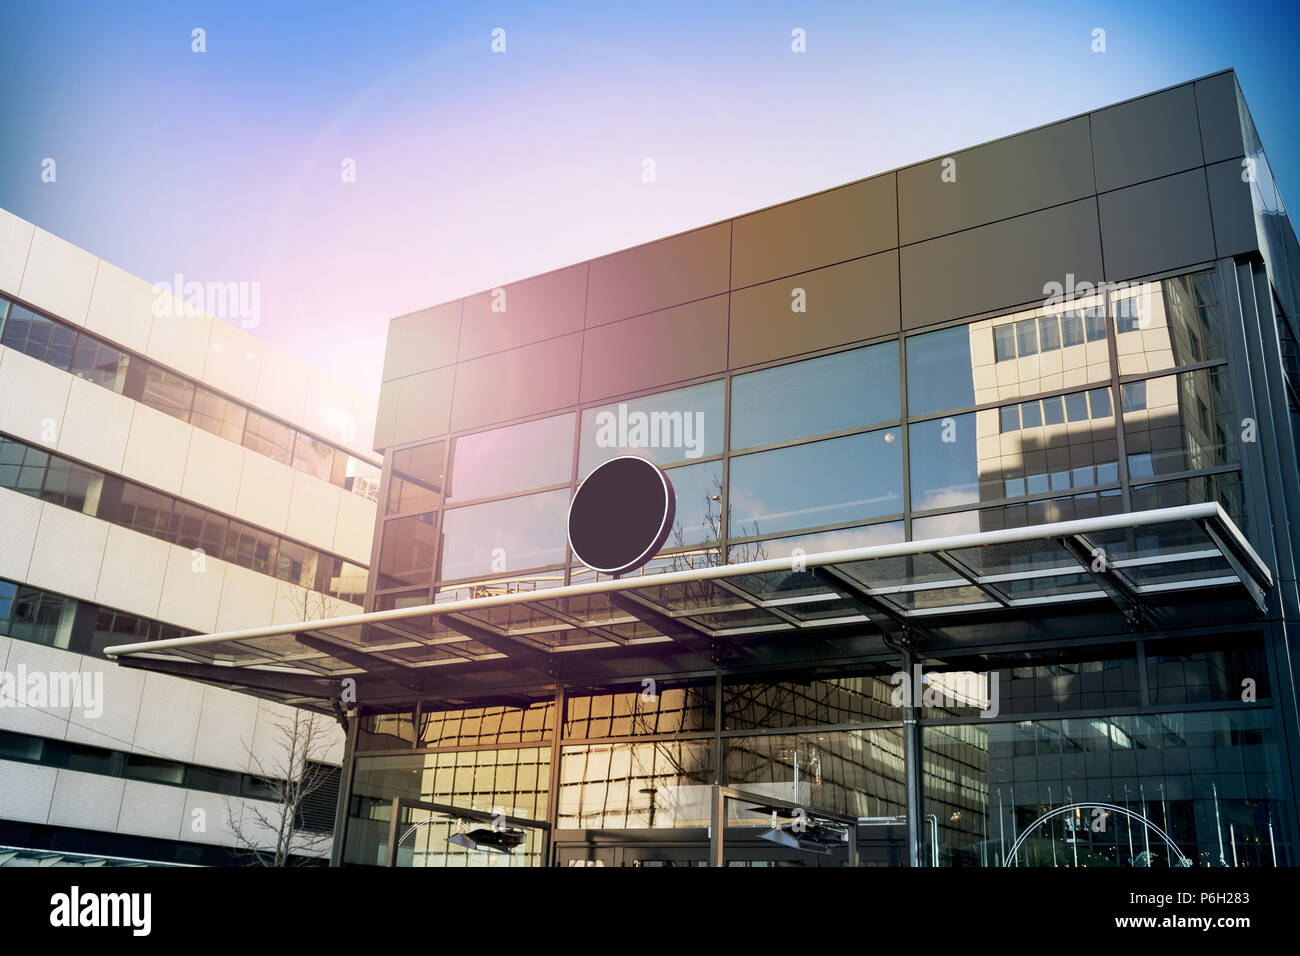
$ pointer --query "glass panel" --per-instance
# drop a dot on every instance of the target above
(100, 363)
(757, 705)
(642, 710)
(218, 415)
(819, 483)
(1225, 488)
(503, 536)
(37, 616)
(1039, 350)
(1179, 423)
(313, 456)
(1210, 780)
(624, 786)
(250, 547)
(41, 338)
(670, 426)
(698, 489)
(146, 511)
(296, 563)
(268, 437)
(514, 458)
(408, 551)
(1021, 515)
(857, 772)
(827, 394)
(361, 478)
(195, 527)
(1208, 670)
(496, 724)
(1163, 325)
(416, 480)
(167, 392)
(939, 371)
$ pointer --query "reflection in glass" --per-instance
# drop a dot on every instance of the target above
(698, 489)
(1167, 324)
(855, 772)
(509, 535)
(618, 786)
(416, 481)
(408, 550)
(514, 458)
(667, 427)
(1179, 423)
(818, 483)
(832, 393)
(220, 416)
(1210, 780)
(635, 712)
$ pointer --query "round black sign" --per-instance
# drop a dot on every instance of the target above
(621, 515)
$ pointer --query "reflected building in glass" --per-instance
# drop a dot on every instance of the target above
(1092, 321)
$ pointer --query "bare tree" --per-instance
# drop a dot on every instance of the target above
(296, 769)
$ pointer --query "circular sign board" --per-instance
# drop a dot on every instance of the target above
(621, 515)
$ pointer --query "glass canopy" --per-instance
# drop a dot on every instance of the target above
(1134, 561)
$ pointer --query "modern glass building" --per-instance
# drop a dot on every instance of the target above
(985, 471)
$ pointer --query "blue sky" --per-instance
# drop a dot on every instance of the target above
(475, 168)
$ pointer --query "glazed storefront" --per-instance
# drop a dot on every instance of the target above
(990, 699)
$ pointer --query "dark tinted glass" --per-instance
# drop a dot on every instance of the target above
(250, 547)
(146, 511)
(827, 394)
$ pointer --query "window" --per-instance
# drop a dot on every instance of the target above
(250, 547)
(1009, 418)
(1004, 342)
(268, 437)
(1071, 329)
(218, 415)
(943, 465)
(1027, 337)
(1099, 402)
(1049, 333)
(1095, 323)
(296, 563)
(1127, 315)
(408, 550)
(1133, 396)
(665, 428)
(828, 394)
(28, 614)
(1053, 411)
(195, 527)
(41, 338)
(699, 504)
(515, 458)
(146, 511)
(1076, 406)
(939, 373)
(416, 478)
(510, 535)
(1031, 415)
(100, 363)
(817, 483)
(167, 392)
(314, 457)
(72, 486)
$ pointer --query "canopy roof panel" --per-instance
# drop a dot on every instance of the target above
(1133, 560)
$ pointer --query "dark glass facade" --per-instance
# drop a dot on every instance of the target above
(951, 373)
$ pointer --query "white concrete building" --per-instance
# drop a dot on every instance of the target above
(160, 473)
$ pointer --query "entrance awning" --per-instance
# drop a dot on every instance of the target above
(1134, 562)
